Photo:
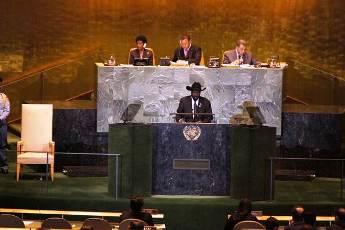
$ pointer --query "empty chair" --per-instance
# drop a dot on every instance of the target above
(248, 225)
(125, 223)
(36, 145)
(97, 224)
(57, 223)
(11, 221)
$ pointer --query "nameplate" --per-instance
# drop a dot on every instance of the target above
(192, 164)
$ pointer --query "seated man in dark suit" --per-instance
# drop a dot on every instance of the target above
(309, 218)
(243, 213)
(194, 104)
(339, 220)
(141, 51)
(187, 51)
(239, 55)
(136, 211)
(297, 221)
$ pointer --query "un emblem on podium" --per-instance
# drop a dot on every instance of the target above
(191, 132)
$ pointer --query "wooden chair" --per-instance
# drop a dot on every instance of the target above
(56, 223)
(36, 145)
(97, 223)
(153, 54)
(125, 223)
(248, 225)
(11, 221)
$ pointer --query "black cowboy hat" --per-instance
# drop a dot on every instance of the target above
(195, 87)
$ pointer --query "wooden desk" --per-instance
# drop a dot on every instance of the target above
(34, 224)
(68, 213)
(288, 218)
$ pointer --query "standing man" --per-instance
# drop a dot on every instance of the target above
(187, 51)
(4, 112)
(239, 55)
(193, 105)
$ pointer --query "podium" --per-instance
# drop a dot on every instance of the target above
(160, 159)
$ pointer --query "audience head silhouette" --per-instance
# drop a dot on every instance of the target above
(297, 213)
(244, 207)
(135, 225)
(340, 214)
(309, 218)
(136, 203)
(271, 223)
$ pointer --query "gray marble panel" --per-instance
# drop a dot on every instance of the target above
(159, 90)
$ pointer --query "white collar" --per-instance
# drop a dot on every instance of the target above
(238, 54)
(197, 101)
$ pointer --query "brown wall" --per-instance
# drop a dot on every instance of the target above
(310, 31)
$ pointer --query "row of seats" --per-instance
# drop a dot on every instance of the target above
(11, 221)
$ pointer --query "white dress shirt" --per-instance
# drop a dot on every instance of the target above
(4, 106)
(195, 104)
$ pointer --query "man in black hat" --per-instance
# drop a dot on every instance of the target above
(193, 105)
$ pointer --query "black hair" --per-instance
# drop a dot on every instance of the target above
(136, 225)
(136, 203)
(271, 223)
(141, 38)
(309, 218)
(244, 209)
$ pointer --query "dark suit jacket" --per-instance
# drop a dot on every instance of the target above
(135, 54)
(144, 216)
(234, 219)
(337, 225)
(230, 56)
(185, 106)
(295, 226)
(193, 55)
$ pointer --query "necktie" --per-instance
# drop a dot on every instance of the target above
(185, 52)
(194, 108)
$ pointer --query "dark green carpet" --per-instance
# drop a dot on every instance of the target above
(90, 193)
(181, 212)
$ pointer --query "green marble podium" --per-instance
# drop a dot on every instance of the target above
(134, 143)
(250, 149)
(245, 151)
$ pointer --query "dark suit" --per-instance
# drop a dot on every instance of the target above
(134, 53)
(235, 219)
(185, 106)
(231, 55)
(337, 225)
(295, 226)
(193, 55)
(144, 216)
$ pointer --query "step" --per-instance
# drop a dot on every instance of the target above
(15, 128)
(12, 140)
